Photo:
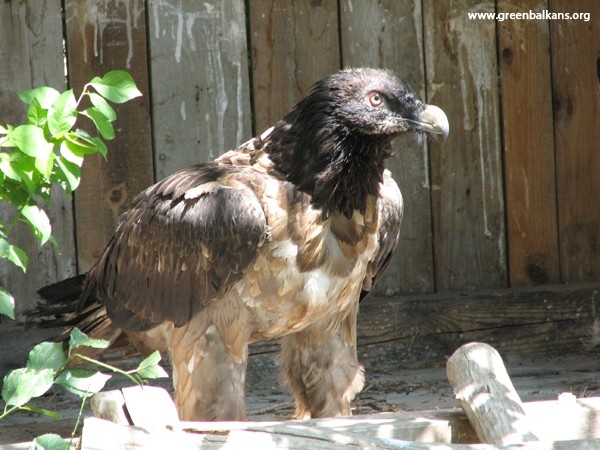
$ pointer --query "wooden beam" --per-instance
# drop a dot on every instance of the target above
(294, 44)
(32, 55)
(102, 36)
(201, 88)
(423, 330)
(576, 95)
(466, 175)
(529, 176)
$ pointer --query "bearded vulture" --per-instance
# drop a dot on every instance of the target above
(279, 238)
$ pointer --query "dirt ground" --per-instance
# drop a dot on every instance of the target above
(389, 386)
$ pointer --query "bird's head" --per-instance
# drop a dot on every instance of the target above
(373, 103)
(334, 142)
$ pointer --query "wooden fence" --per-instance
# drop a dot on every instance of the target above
(511, 199)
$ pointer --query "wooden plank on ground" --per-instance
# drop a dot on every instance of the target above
(371, 32)
(294, 44)
(102, 36)
(32, 55)
(528, 146)
(466, 174)
(411, 430)
(200, 73)
(576, 88)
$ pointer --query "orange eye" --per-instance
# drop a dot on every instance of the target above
(376, 99)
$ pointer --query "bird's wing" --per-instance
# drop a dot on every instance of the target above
(183, 242)
(391, 210)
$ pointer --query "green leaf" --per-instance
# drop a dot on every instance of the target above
(83, 383)
(117, 86)
(39, 222)
(71, 152)
(149, 367)
(100, 145)
(44, 95)
(51, 442)
(46, 355)
(69, 173)
(7, 303)
(80, 144)
(13, 253)
(102, 122)
(21, 385)
(36, 115)
(103, 106)
(31, 141)
(6, 167)
(44, 165)
(78, 339)
(63, 113)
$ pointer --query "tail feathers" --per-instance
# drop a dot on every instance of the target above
(62, 306)
(59, 299)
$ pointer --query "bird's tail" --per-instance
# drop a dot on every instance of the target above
(61, 305)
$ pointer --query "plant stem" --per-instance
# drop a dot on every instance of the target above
(109, 367)
(8, 411)
(78, 417)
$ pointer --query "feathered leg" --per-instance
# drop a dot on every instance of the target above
(209, 356)
(319, 366)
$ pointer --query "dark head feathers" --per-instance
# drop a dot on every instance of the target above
(334, 142)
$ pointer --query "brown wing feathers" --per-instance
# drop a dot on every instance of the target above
(182, 243)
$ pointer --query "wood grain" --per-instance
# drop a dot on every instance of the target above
(102, 36)
(467, 188)
(200, 89)
(528, 146)
(576, 91)
(487, 396)
(371, 32)
(294, 44)
(417, 331)
(32, 55)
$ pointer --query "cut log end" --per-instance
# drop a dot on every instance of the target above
(486, 394)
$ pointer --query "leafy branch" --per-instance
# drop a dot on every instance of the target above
(47, 365)
(48, 151)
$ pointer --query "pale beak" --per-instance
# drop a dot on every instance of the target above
(433, 121)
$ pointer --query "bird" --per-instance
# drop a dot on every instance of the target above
(278, 239)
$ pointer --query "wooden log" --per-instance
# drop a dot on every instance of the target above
(487, 395)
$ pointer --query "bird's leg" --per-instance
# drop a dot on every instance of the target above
(320, 367)
(209, 369)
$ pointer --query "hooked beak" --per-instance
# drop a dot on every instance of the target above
(433, 121)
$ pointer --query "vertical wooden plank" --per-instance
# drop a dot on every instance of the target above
(370, 33)
(32, 55)
(467, 190)
(576, 81)
(201, 92)
(532, 233)
(294, 43)
(102, 36)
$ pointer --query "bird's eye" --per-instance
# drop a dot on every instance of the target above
(376, 99)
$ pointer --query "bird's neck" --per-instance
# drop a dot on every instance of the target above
(338, 169)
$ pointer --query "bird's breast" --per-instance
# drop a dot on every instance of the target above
(309, 268)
